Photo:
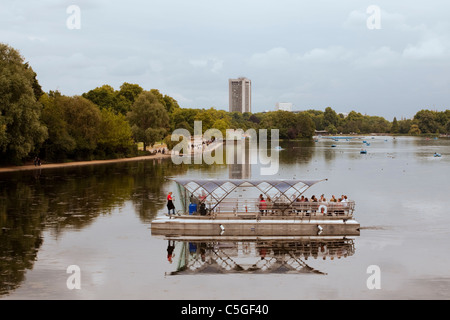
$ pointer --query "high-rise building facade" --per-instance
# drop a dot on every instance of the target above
(240, 95)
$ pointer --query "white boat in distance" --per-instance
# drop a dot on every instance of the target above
(248, 207)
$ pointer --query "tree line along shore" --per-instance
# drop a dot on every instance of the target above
(106, 123)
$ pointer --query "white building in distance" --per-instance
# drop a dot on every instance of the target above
(284, 106)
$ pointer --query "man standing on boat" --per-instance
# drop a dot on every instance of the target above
(170, 205)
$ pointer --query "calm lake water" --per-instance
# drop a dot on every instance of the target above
(98, 218)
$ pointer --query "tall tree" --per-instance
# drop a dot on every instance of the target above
(427, 121)
(115, 136)
(330, 117)
(169, 103)
(130, 91)
(83, 124)
(20, 128)
(395, 128)
(148, 119)
(107, 98)
(59, 143)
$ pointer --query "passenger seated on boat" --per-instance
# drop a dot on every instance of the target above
(314, 206)
(306, 206)
(269, 204)
(297, 206)
(202, 209)
(339, 206)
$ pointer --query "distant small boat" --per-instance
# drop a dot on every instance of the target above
(437, 155)
(364, 141)
(363, 152)
(278, 148)
(333, 146)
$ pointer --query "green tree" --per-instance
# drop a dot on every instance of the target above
(395, 128)
(207, 117)
(352, 123)
(183, 118)
(83, 124)
(405, 126)
(330, 117)
(284, 121)
(115, 136)
(148, 119)
(375, 124)
(37, 89)
(106, 97)
(222, 125)
(305, 125)
(169, 103)
(130, 91)
(21, 131)
(426, 120)
(59, 143)
(254, 118)
(290, 125)
(331, 129)
(415, 130)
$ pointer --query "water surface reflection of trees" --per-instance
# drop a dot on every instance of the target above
(67, 199)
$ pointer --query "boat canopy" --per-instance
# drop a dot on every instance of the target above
(218, 189)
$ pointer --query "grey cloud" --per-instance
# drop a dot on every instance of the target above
(313, 54)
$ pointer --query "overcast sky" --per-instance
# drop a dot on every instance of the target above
(311, 53)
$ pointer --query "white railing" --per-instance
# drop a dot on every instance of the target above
(242, 206)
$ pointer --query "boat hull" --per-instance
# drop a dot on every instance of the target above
(254, 227)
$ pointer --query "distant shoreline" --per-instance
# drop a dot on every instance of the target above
(80, 163)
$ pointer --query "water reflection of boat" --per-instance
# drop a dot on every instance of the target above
(221, 255)
(232, 207)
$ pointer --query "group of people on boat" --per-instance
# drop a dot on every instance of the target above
(265, 204)
(343, 198)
